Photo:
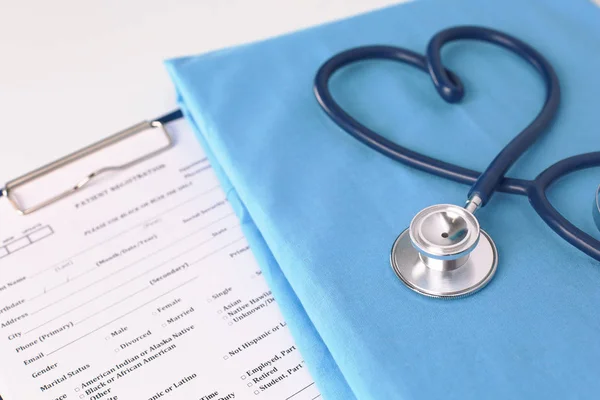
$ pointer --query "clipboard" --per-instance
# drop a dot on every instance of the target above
(138, 129)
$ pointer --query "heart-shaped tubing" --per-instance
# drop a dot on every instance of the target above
(447, 88)
(379, 143)
(451, 89)
(539, 201)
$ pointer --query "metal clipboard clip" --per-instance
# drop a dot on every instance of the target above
(137, 129)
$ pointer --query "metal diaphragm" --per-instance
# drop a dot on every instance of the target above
(444, 253)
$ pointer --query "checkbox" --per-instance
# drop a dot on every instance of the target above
(107, 338)
(225, 317)
(225, 357)
(164, 325)
(243, 377)
(153, 312)
(77, 389)
(230, 323)
(256, 392)
(208, 300)
(219, 312)
(82, 396)
(249, 384)
(116, 350)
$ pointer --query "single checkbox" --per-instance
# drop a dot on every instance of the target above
(230, 323)
(249, 384)
(81, 396)
(256, 392)
(219, 312)
(116, 350)
(225, 357)
(164, 325)
(77, 389)
(243, 377)
(225, 317)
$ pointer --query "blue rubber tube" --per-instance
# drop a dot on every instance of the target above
(559, 224)
(450, 87)
(452, 92)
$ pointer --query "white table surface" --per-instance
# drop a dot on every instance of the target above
(72, 72)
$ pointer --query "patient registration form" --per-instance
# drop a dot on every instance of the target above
(141, 286)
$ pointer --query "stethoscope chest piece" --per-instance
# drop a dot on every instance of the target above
(444, 253)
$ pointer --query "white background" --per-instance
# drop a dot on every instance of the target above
(72, 71)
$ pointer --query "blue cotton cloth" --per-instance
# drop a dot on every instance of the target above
(321, 210)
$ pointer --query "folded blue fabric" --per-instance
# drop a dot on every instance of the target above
(321, 210)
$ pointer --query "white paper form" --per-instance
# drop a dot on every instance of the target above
(141, 286)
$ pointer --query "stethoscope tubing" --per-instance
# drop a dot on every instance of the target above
(559, 224)
(487, 182)
(450, 87)
(381, 144)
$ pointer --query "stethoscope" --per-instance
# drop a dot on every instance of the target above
(444, 253)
